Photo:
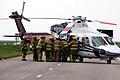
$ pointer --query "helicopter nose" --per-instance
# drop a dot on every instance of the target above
(111, 50)
(113, 54)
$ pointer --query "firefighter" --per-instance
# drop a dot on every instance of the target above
(41, 44)
(34, 49)
(49, 49)
(24, 48)
(74, 48)
(65, 50)
(57, 49)
(39, 47)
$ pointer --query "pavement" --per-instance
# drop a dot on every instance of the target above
(90, 69)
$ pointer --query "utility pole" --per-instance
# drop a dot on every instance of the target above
(16, 38)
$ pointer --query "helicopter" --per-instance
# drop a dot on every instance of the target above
(22, 31)
(94, 44)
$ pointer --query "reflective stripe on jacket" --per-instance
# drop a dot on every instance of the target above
(49, 45)
(24, 45)
(41, 44)
(34, 44)
(65, 44)
(73, 45)
(57, 45)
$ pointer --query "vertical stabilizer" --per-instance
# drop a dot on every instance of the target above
(18, 21)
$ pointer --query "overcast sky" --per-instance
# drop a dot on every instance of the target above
(103, 10)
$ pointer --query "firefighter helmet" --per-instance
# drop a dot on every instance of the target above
(74, 38)
(24, 37)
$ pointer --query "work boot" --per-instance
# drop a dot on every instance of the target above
(47, 60)
(35, 60)
(41, 61)
(24, 60)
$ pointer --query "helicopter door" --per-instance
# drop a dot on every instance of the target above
(86, 41)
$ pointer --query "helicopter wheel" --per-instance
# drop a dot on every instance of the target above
(81, 59)
(108, 61)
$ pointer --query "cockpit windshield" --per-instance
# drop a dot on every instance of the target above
(98, 41)
(109, 40)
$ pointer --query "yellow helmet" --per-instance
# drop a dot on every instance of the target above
(73, 37)
(24, 37)
(50, 37)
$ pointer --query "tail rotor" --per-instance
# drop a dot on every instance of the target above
(22, 13)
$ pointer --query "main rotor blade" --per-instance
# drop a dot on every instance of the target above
(23, 8)
(4, 18)
(108, 23)
(26, 19)
(36, 18)
(105, 22)
(11, 36)
(52, 18)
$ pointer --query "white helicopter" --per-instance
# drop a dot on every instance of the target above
(94, 43)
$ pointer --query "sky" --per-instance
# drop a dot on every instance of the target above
(102, 10)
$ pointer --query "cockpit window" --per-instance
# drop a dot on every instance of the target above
(94, 44)
(109, 40)
(98, 41)
(85, 41)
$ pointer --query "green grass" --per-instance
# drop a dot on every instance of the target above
(7, 51)
(118, 43)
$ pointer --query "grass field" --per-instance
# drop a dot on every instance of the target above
(9, 51)
(118, 43)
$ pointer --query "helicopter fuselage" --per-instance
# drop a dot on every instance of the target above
(92, 40)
